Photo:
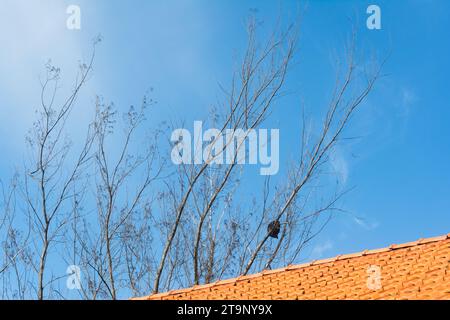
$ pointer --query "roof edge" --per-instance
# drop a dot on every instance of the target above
(297, 267)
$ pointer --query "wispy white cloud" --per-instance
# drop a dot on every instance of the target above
(31, 33)
(340, 165)
(408, 99)
(319, 250)
(366, 224)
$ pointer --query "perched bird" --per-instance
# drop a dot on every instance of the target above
(274, 229)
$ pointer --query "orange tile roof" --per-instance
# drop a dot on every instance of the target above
(414, 270)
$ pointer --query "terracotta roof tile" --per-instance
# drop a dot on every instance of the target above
(412, 270)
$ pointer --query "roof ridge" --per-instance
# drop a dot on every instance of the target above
(300, 266)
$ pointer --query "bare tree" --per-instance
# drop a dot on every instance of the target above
(123, 214)
(220, 235)
(315, 155)
(135, 224)
(47, 187)
(259, 82)
(15, 235)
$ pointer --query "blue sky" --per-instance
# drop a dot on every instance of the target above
(184, 49)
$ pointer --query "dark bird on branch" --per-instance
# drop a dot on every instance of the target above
(274, 229)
